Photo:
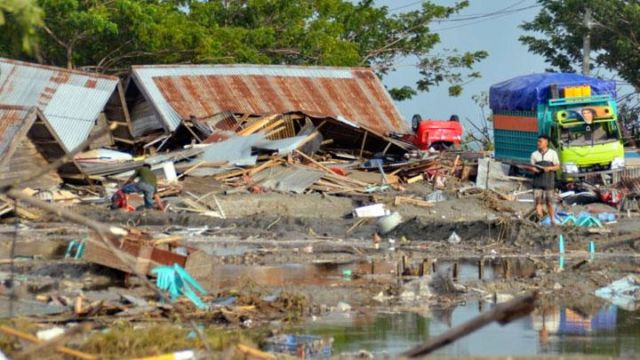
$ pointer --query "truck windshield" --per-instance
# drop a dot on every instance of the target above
(585, 134)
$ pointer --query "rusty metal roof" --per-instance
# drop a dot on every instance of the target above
(14, 122)
(356, 95)
(71, 100)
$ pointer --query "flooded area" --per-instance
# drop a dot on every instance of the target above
(552, 331)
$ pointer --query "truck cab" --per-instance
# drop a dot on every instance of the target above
(585, 132)
(579, 114)
(435, 134)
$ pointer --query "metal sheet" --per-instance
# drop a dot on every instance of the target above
(70, 99)
(281, 146)
(72, 113)
(354, 95)
(13, 120)
(236, 150)
(293, 179)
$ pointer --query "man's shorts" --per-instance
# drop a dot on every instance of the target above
(542, 196)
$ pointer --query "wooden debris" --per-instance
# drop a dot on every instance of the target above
(415, 179)
(503, 313)
(399, 200)
(32, 339)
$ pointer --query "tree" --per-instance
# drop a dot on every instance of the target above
(110, 35)
(614, 30)
(480, 135)
(19, 20)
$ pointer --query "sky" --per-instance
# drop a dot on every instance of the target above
(498, 36)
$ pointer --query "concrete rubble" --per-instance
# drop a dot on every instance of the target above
(284, 202)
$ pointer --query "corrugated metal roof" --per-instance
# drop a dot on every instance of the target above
(292, 179)
(13, 120)
(353, 94)
(71, 99)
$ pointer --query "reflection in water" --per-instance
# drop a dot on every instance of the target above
(554, 330)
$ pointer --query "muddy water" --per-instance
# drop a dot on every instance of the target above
(359, 272)
(555, 330)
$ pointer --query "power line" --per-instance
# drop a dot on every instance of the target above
(462, 17)
(488, 18)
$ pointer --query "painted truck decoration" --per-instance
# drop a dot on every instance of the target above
(578, 113)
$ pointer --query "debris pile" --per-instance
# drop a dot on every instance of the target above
(314, 156)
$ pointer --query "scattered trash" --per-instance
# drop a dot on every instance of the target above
(371, 211)
(178, 355)
(346, 274)
(175, 280)
(388, 223)
(624, 293)
(49, 334)
(436, 196)
(301, 346)
(343, 307)
(454, 238)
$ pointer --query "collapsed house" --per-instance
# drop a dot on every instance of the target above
(76, 103)
(28, 143)
(349, 106)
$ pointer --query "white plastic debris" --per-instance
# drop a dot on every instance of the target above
(343, 307)
(49, 334)
(369, 211)
(624, 293)
(454, 238)
(386, 224)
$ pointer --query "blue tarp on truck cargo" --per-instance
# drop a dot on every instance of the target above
(525, 93)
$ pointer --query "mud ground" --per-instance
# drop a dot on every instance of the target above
(302, 244)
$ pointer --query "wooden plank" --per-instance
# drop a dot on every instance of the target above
(257, 125)
(399, 200)
(502, 313)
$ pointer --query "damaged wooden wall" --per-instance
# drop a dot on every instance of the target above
(27, 160)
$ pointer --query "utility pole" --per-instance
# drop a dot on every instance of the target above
(586, 44)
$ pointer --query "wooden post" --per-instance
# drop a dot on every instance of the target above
(386, 148)
(434, 266)
(425, 268)
(373, 267)
(481, 269)
(506, 268)
(404, 264)
(455, 271)
(364, 141)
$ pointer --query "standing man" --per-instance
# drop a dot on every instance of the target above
(146, 184)
(544, 163)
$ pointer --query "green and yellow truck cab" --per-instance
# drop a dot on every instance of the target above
(579, 114)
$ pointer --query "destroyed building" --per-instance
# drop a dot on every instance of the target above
(28, 143)
(76, 103)
(350, 104)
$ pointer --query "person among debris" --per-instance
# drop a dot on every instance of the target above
(146, 185)
(544, 163)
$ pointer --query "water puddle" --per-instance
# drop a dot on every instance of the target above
(549, 331)
(359, 272)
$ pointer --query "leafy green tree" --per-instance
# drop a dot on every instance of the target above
(19, 20)
(480, 134)
(558, 30)
(110, 35)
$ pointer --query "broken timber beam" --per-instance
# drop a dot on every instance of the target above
(503, 313)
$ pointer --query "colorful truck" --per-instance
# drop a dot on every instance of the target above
(579, 114)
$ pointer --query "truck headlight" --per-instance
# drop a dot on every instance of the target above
(570, 168)
(617, 163)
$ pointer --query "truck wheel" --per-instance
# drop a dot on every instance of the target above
(415, 122)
